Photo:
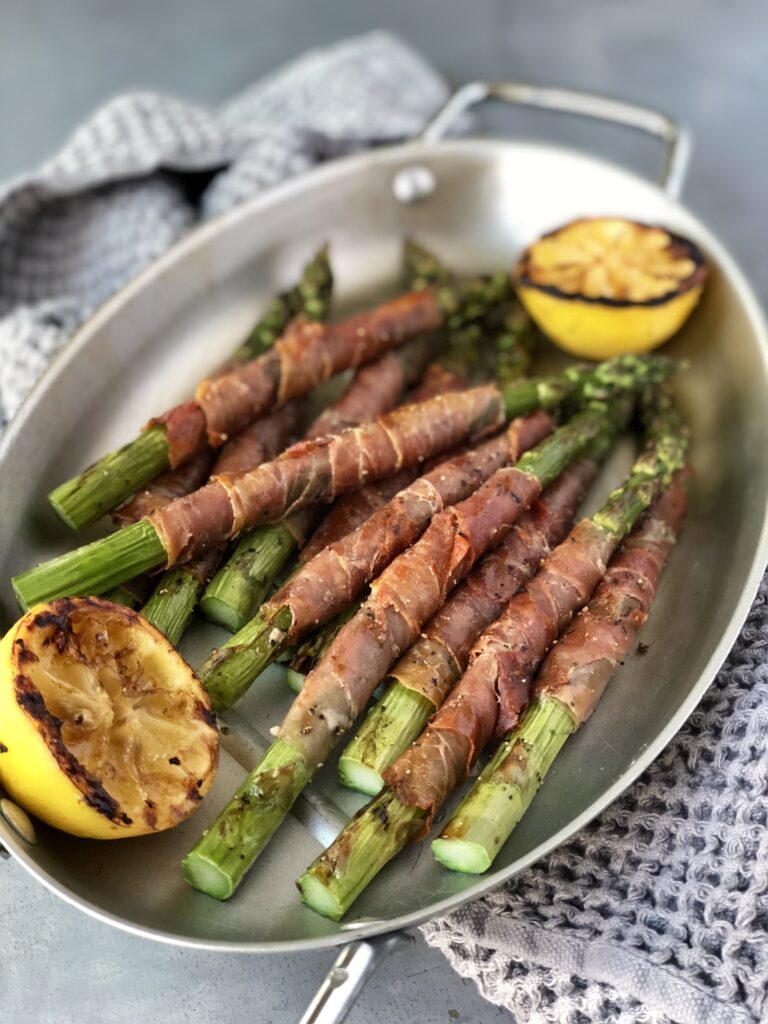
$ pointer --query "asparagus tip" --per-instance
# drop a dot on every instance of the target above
(356, 775)
(461, 855)
(318, 897)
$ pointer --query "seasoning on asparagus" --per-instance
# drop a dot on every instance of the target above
(494, 690)
(402, 599)
(566, 692)
(238, 588)
(423, 677)
(324, 587)
(171, 439)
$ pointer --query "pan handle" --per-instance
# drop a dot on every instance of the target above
(570, 101)
(344, 982)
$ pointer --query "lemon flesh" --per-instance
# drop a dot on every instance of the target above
(105, 731)
(606, 286)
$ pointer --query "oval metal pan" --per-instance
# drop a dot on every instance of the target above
(149, 344)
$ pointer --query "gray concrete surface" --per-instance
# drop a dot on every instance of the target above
(701, 60)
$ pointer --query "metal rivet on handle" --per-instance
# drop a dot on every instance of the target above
(18, 819)
(413, 184)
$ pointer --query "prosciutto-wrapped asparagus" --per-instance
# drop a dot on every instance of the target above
(324, 587)
(494, 690)
(239, 587)
(402, 599)
(310, 472)
(423, 677)
(566, 692)
(234, 594)
(170, 440)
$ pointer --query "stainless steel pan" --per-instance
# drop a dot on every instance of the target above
(477, 202)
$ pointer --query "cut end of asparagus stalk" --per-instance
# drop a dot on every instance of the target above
(221, 613)
(93, 569)
(502, 794)
(318, 897)
(172, 605)
(229, 671)
(206, 876)
(219, 860)
(372, 838)
(85, 498)
(356, 775)
(389, 727)
(461, 855)
(294, 680)
(234, 594)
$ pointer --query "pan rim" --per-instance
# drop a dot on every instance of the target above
(204, 234)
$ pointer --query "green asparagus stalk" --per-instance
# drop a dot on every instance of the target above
(172, 605)
(337, 877)
(85, 498)
(371, 839)
(243, 582)
(504, 790)
(262, 802)
(421, 268)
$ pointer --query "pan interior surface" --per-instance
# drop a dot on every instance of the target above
(147, 347)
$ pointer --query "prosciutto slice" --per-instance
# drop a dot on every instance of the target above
(353, 509)
(308, 354)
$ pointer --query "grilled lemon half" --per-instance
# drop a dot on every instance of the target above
(600, 287)
(105, 731)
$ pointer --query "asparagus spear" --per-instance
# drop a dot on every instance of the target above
(407, 593)
(567, 690)
(493, 692)
(238, 588)
(97, 490)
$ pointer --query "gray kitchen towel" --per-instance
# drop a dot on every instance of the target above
(657, 912)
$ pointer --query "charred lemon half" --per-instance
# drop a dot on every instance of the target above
(605, 286)
(105, 731)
